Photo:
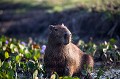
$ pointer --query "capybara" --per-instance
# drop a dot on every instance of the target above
(64, 57)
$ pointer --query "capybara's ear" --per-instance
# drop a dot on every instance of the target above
(62, 24)
(51, 27)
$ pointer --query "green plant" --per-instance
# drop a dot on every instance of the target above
(17, 57)
(107, 51)
(99, 73)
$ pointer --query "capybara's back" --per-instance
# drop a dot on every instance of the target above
(63, 57)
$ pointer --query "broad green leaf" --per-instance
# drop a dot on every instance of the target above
(12, 46)
(31, 64)
(67, 77)
(6, 54)
(112, 41)
(36, 54)
(35, 58)
(53, 76)
(13, 58)
(21, 51)
(100, 72)
(0, 43)
(21, 47)
(28, 55)
(10, 74)
(0, 63)
(3, 38)
(5, 65)
(18, 58)
(15, 49)
(76, 78)
(4, 48)
(27, 51)
(35, 78)
(84, 72)
(57, 8)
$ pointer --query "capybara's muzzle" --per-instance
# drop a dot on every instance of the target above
(67, 38)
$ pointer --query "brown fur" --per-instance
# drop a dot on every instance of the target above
(62, 56)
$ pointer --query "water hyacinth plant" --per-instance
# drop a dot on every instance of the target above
(6, 41)
(23, 43)
(16, 58)
(43, 49)
(21, 60)
(105, 51)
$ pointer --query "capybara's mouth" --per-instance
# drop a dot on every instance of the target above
(66, 42)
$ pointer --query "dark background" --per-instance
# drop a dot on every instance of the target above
(99, 20)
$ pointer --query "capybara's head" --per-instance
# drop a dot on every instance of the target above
(60, 34)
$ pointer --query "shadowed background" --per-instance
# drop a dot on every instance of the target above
(30, 18)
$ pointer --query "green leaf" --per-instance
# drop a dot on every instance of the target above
(35, 58)
(21, 51)
(53, 76)
(0, 63)
(36, 54)
(31, 64)
(18, 58)
(76, 78)
(57, 8)
(22, 47)
(6, 55)
(100, 72)
(12, 46)
(84, 72)
(5, 65)
(0, 43)
(3, 38)
(28, 55)
(112, 41)
(10, 74)
(67, 77)
(13, 58)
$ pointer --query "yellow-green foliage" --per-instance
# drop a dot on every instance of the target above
(18, 57)
(59, 5)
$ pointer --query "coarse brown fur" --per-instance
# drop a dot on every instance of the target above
(64, 57)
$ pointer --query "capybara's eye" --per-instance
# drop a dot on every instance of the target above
(56, 29)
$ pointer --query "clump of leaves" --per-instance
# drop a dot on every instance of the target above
(17, 57)
(106, 51)
(89, 48)
(20, 58)
(99, 73)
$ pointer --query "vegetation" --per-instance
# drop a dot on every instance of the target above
(22, 60)
(60, 5)
(106, 51)
(18, 57)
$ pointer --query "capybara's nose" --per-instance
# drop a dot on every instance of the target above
(66, 38)
(67, 34)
